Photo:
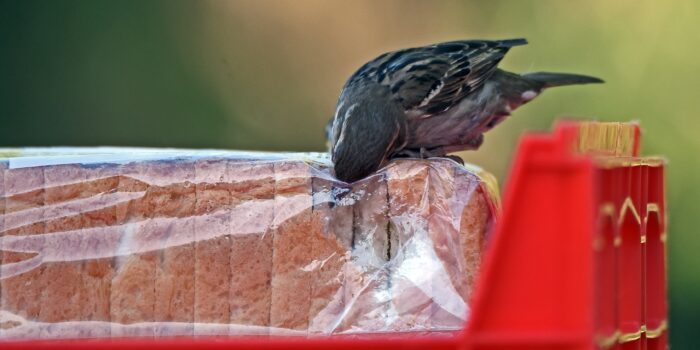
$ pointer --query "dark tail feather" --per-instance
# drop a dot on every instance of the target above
(513, 42)
(560, 79)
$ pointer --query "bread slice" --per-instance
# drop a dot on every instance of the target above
(294, 226)
(67, 195)
(411, 264)
(212, 244)
(252, 213)
(331, 251)
(449, 284)
(459, 195)
(99, 239)
(451, 216)
(154, 281)
(476, 219)
(174, 198)
(77, 255)
(12, 325)
(132, 295)
(62, 295)
(367, 299)
(24, 216)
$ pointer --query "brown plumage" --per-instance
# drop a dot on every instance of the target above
(427, 102)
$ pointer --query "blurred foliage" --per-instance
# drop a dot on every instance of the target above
(265, 75)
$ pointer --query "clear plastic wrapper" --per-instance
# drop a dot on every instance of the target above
(112, 242)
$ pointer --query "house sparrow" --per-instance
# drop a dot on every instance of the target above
(427, 102)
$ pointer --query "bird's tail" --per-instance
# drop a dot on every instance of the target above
(513, 42)
(560, 79)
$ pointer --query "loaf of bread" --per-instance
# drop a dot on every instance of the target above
(150, 243)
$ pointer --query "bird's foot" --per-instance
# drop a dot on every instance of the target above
(421, 153)
(424, 153)
(440, 152)
(452, 157)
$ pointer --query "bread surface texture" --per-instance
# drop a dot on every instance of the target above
(222, 244)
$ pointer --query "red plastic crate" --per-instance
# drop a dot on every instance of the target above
(577, 260)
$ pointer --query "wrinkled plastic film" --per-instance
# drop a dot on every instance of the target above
(100, 243)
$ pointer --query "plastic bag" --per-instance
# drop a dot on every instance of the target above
(111, 242)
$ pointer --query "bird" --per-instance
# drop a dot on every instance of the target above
(427, 102)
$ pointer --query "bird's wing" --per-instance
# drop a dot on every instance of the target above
(431, 79)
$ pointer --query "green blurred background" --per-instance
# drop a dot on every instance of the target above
(266, 74)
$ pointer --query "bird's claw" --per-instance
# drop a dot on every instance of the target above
(421, 153)
(424, 153)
